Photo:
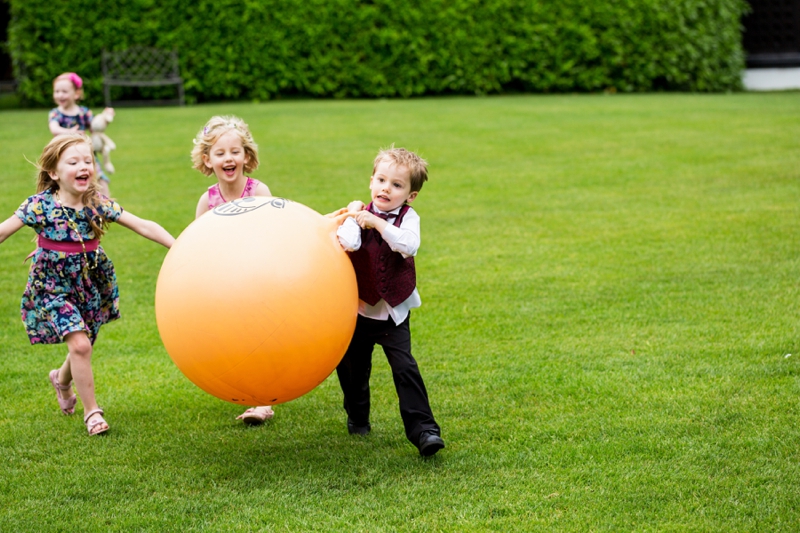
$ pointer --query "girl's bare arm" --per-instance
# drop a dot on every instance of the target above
(10, 226)
(146, 228)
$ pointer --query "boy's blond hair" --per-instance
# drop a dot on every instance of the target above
(417, 167)
(215, 128)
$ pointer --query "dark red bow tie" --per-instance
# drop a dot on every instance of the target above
(384, 216)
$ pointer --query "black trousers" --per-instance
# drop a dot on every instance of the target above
(356, 366)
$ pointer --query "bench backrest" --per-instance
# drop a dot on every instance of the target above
(141, 64)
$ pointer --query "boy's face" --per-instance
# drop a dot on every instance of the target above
(390, 186)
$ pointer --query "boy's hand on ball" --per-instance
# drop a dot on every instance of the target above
(356, 206)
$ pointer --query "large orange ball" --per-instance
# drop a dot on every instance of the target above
(256, 301)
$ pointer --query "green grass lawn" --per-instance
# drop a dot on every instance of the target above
(609, 332)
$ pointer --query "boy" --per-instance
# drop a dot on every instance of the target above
(383, 239)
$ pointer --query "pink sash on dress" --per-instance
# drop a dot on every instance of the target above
(65, 246)
(68, 247)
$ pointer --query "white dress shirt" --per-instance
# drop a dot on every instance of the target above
(404, 240)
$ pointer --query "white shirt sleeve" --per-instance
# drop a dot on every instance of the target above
(349, 234)
(406, 238)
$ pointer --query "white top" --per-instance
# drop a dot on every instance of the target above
(404, 240)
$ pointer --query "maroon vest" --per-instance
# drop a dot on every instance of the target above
(380, 272)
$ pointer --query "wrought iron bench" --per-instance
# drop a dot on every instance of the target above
(141, 67)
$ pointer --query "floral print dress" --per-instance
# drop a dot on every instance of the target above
(67, 292)
(83, 119)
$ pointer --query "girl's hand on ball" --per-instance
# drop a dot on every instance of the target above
(336, 213)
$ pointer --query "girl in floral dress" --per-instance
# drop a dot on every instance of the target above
(72, 288)
(225, 148)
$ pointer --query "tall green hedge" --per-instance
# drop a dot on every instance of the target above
(262, 49)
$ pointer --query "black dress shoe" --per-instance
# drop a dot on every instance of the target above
(357, 430)
(429, 443)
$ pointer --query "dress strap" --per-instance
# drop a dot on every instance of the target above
(249, 187)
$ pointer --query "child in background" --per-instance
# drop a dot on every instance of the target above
(72, 288)
(225, 148)
(70, 117)
(382, 239)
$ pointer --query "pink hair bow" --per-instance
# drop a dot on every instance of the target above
(74, 78)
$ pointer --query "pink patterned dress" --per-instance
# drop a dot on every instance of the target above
(215, 197)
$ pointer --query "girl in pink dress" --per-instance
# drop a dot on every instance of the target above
(225, 148)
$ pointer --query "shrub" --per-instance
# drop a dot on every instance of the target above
(234, 49)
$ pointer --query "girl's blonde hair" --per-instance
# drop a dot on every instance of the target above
(74, 79)
(210, 134)
(48, 162)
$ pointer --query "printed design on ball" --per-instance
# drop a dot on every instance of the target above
(245, 205)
